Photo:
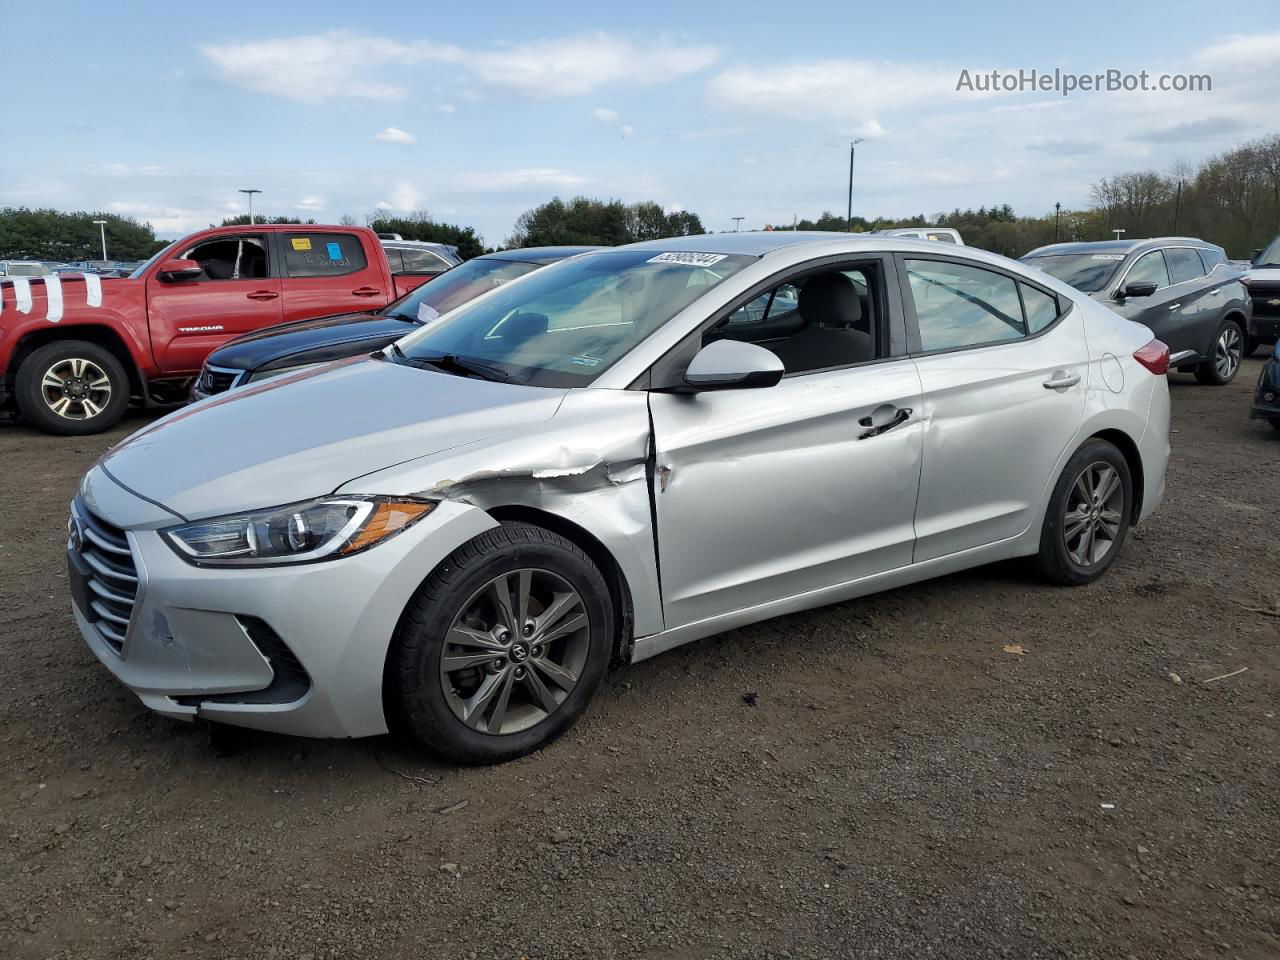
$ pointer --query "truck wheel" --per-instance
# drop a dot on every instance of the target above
(72, 387)
(1224, 358)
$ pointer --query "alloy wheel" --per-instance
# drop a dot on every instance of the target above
(76, 388)
(1094, 514)
(1230, 348)
(515, 651)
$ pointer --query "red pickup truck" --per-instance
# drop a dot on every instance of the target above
(75, 349)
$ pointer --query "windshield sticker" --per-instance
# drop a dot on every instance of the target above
(588, 361)
(335, 251)
(688, 259)
(301, 243)
(427, 313)
(1107, 256)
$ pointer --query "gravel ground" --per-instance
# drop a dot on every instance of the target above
(876, 779)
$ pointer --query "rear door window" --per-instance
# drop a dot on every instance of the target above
(420, 261)
(962, 306)
(323, 254)
(1184, 264)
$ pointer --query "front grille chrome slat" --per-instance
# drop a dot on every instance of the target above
(110, 576)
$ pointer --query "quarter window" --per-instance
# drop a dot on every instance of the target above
(1150, 268)
(963, 306)
(1184, 264)
(322, 254)
(1041, 308)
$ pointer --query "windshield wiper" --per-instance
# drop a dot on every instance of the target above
(452, 363)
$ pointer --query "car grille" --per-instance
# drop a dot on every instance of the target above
(1266, 299)
(217, 380)
(104, 579)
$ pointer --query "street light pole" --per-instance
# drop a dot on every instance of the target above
(853, 150)
(1117, 231)
(1057, 214)
(736, 222)
(102, 226)
(250, 194)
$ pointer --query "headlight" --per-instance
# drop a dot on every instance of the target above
(299, 533)
(280, 371)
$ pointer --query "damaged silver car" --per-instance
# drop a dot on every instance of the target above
(602, 460)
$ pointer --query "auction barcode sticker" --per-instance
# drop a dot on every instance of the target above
(688, 259)
(1107, 256)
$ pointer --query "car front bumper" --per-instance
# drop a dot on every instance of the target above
(296, 649)
(1266, 396)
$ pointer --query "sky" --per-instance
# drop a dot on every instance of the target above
(478, 112)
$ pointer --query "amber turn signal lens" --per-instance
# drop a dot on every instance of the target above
(389, 518)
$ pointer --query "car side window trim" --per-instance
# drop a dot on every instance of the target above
(915, 348)
(663, 372)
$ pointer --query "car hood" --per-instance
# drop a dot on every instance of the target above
(303, 435)
(269, 344)
(1264, 274)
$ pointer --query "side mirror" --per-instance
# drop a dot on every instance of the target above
(1137, 290)
(732, 365)
(173, 270)
(1254, 254)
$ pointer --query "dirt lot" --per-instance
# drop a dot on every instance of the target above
(901, 786)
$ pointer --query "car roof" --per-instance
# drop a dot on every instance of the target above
(757, 243)
(1114, 246)
(542, 255)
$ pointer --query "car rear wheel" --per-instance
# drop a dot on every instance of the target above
(1088, 515)
(72, 388)
(502, 647)
(1224, 363)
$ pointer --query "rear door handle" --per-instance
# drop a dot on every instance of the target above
(897, 416)
(1174, 306)
(366, 291)
(1061, 380)
(262, 295)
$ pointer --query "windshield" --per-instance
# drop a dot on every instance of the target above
(567, 324)
(155, 258)
(1270, 257)
(1084, 271)
(455, 287)
(28, 270)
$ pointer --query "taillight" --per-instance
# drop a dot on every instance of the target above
(1154, 356)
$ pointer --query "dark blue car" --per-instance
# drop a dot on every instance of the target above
(288, 347)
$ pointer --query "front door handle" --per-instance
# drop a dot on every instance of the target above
(1061, 379)
(1174, 306)
(366, 291)
(262, 295)
(883, 419)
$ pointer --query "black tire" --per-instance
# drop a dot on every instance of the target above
(98, 410)
(1055, 560)
(1207, 372)
(415, 693)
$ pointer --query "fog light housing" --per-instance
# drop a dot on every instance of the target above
(1269, 396)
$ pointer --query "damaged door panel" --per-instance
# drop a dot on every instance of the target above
(764, 494)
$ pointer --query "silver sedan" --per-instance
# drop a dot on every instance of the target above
(604, 459)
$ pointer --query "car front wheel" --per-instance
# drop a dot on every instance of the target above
(72, 387)
(502, 647)
(1224, 363)
(1088, 515)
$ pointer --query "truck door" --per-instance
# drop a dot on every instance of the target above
(238, 292)
(328, 272)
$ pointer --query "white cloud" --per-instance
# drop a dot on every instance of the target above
(395, 135)
(446, 108)
(605, 115)
(628, 130)
(404, 196)
(163, 219)
(382, 205)
(310, 202)
(518, 179)
(315, 68)
(1255, 52)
